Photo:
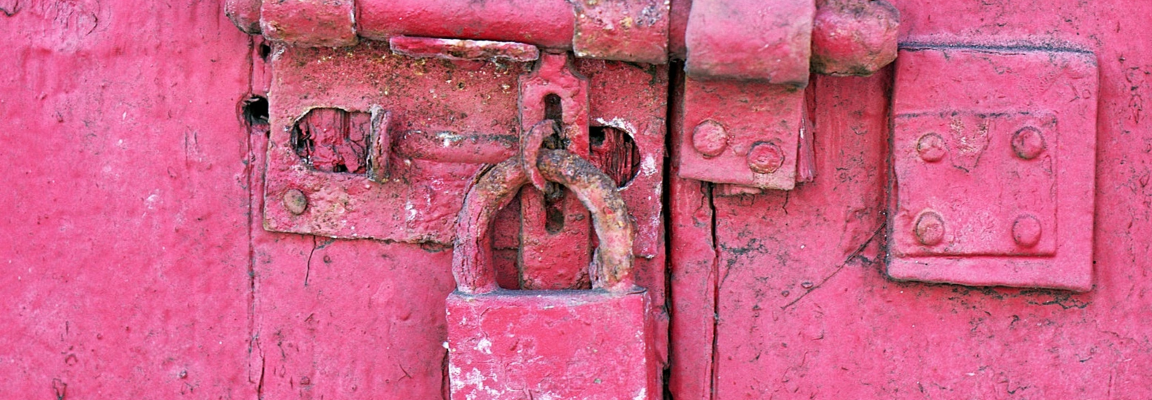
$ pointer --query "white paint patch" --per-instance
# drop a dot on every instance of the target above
(641, 395)
(620, 124)
(648, 166)
(484, 346)
(410, 211)
(454, 378)
(150, 202)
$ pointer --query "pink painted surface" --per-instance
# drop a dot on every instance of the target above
(769, 41)
(124, 238)
(1001, 175)
(137, 265)
(588, 344)
(340, 317)
(806, 311)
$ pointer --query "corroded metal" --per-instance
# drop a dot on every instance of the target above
(590, 344)
(495, 188)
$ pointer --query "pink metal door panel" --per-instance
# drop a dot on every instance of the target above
(123, 239)
(797, 282)
(154, 247)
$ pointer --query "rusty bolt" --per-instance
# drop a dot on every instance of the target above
(931, 147)
(710, 139)
(1026, 231)
(929, 228)
(765, 158)
(1028, 143)
(295, 201)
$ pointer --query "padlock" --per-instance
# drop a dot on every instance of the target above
(564, 344)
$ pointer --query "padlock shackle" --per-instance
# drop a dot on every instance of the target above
(611, 268)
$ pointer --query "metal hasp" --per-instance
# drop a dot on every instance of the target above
(623, 30)
(993, 156)
(555, 236)
(591, 344)
(747, 64)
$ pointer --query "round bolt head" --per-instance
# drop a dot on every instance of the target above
(931, 147)
(710, 139)
(295, 201)
(929, 228)
(1026, 231)
(1028, 143)
(765, 158)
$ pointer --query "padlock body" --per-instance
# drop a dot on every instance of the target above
(551, 345)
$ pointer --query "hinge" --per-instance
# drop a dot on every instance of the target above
(748, 62)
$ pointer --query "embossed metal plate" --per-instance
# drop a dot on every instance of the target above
(993, 155)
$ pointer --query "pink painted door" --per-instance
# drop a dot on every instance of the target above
(951, 244)
(195, 212)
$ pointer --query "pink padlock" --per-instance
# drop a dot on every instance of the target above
(564, 344)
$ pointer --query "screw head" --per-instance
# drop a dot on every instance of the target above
(1028, 143)
(931, 147)
(709, 138)
(929, 228)
(765, 157)
(295, 201)
(1026, 231)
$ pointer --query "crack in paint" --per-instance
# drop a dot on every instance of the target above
(853, 256)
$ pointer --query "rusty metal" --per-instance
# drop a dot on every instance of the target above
(595, 344)
(993, 183)
(495, 188)
(459, 49)
(530, 144)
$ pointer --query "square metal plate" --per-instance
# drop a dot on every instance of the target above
(993, 155)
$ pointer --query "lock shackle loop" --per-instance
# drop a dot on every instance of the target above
(611, 268)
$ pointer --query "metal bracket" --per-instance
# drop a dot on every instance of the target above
(555, 240)
(624, 30)
(748, 62)
(993, 154)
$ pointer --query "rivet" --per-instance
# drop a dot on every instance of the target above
(710, 139)
(765, 158)
(931, 147)
(1028, 143)
(295, 201)
(1026, 231)
(929, 228)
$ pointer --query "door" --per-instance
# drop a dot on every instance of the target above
(794, 296)
(199, 212)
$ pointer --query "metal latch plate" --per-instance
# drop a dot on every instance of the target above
(993, 154)
(445, 119)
